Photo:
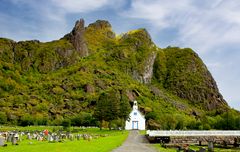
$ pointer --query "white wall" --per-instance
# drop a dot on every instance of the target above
(138, 117)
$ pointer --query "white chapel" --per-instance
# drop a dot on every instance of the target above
(136, 120)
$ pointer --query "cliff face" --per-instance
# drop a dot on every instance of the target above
(64, 77)
(138, 54)
(184, 74)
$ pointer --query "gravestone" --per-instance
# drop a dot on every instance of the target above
(38, 138)
(63, 136)
(34, 136)
(78, 136)
(16, 136)
(210, 146)
(22, 133)
(85, 137)
(71, 137)
(89, 138)
(56, 138)
(9, 138)
(2, 140)
(50, 138)
(29, 137)
(4, 135)
(14, 141)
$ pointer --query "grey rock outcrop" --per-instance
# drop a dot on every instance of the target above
(77, 38)
(146, 75)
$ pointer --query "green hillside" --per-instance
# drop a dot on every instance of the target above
(90, 70)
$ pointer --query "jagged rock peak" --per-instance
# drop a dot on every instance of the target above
(100, 24)
(79, 25)
(77, 38)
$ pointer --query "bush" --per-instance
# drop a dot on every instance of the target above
(151, 115)
(84, 119)
(3, 118)
(66, 123)
(26, 120)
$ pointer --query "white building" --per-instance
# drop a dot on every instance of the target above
(136, 119)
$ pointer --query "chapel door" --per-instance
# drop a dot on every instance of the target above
(134, 124)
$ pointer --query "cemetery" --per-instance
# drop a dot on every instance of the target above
(41, 140)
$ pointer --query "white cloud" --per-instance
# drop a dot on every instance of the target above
(75, 6)
(203, 27)
(85, 6)
(157, 12)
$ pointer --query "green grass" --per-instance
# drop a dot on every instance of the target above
(161, 149)
(102, 144)
(142, 132)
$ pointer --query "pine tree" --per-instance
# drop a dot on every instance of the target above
(113, 106)
(101, 111)
(124, 108)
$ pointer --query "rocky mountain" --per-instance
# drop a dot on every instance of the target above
(48, 82)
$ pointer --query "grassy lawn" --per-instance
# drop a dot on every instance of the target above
(161, 149)
(101, 144)
(142, 132)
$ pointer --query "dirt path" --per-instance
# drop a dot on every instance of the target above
(135, 143)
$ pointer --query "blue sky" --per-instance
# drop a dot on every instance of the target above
(210, 27)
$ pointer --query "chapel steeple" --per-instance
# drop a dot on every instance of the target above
(135, 106)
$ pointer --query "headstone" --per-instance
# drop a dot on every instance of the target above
(85, 136)
(2, 141)
(9, 138)
(50, 138)
(29, 137)
(63, 136)
(22, 133)
(34, 136)
(39, 137)
(67, 135)
(14, 141)
(78, 136)
(89, 138)
(56, 138)
(5, 134)
(210, 146)
(16, 136)
(71, 137)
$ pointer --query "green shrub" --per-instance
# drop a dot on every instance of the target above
(26, 120)
(3, 118)
(66, 123)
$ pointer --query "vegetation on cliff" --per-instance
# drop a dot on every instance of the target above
(71, 79)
